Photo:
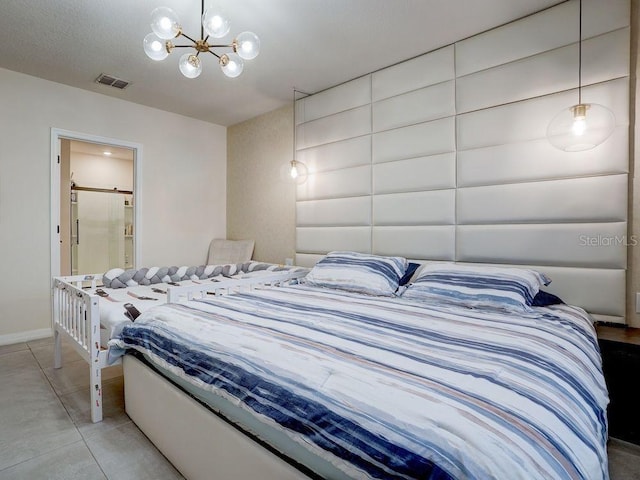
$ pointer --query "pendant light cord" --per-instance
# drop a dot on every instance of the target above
(580, 57)
(294, 124)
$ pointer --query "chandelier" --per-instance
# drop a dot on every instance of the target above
(166, 26)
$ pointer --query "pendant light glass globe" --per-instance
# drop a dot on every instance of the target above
(231, 64)
(155, 47)
(215, 23)
(165, 23)
(247, 45)
(190, 65)
(581, 127)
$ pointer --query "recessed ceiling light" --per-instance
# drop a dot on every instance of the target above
(106, 153)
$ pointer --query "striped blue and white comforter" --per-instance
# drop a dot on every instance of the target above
(389, 388)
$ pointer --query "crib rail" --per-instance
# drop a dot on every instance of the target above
(226, 287)
(76, 316)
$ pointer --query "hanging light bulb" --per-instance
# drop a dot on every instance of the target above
(215, 23)
(579, 119)
(247, 45)
(165, 23)
(190, 65)
(581, 127)
(155, 47)
(231, 64)
(584, 125)
(294, 169)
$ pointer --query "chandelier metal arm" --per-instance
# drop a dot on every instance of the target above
(187, 37)
(201, 24)
(214, 54)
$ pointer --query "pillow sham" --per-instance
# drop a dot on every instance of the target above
(544, 299)
(477, 285)
(411, 269)
(358, 272)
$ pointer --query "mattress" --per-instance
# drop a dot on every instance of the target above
(389, 388)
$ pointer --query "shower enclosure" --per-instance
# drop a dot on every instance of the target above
(101, 230)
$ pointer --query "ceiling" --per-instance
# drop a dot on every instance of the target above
(307, 44)
(97, 149)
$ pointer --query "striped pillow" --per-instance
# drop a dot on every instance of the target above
(358, 272)
(477, 285)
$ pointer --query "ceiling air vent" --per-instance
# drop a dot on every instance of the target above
(112, 81)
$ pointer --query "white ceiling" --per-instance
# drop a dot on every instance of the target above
(99, 150)
(307, 44)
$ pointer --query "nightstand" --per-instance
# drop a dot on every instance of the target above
(620, 349)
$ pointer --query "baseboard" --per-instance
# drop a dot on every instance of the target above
(27, 336)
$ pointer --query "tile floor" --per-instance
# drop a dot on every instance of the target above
(45, 422)
(46, 430)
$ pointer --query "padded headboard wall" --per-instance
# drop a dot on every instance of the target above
(444, 157)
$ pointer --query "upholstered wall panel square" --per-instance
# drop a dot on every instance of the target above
(417, 106)
(528, 119)
(340, 126)
(321, 240)
(544, 31)
(352, 211)
(428, 69)
(604, 57)
(419, 140)
(432, 243)
(598, 290)
(347, 96)
(533, 76)
(416, 208)
(348, 182)
(415, 174)
(591, 245)
(333, 156)
(529, 36)
(554, 201)
(539, 160)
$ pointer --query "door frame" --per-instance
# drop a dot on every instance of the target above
(56, 135)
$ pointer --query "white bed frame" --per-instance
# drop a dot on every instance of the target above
(76, 317)
(173, 419)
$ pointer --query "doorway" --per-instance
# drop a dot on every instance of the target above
(95, 199)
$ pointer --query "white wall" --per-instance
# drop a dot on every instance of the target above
(182, 185)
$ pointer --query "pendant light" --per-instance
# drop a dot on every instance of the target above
(582, 126)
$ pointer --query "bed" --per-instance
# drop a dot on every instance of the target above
(88, 310)
(459, 373)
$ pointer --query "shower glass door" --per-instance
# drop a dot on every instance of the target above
(97, 232)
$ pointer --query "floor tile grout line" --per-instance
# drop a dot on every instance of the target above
(82, 437)
(58, 447)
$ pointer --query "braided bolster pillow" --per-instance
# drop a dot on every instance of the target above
(119, 278)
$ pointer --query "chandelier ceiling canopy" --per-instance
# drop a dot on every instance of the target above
(166, 26)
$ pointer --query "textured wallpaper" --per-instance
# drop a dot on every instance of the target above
(260, 200)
